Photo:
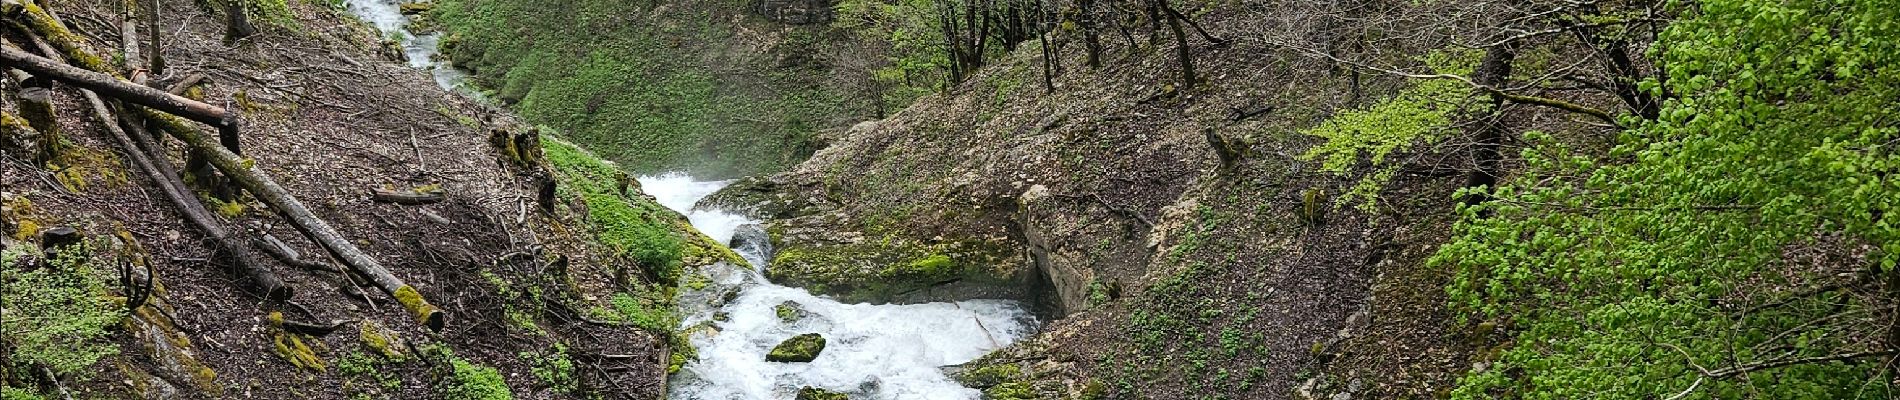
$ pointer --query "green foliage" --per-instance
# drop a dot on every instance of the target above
(554, 369)
(916, 63)
(654, 91)
(15, 393)
(1622, 276)
(647, 313)
(57, 314)
(273, 12)
(475, 382)
(1417, 116)
(637, 228)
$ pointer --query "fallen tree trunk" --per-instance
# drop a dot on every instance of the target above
(407, 197)
(241, 255)
(112, 86)
(266, 282)
(241, 170)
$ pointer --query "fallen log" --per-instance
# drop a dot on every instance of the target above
(241, 170)
(284, 253)
(241, 255)
(112, 86)
(407, 197)
(77, 52)
(184, 85)
(267, 282)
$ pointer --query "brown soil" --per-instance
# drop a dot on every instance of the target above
(331, 119)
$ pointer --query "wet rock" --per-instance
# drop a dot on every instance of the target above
(985, 376)
(790, 312)
(752, 239)
(901, 271)
(413, 8)
(812, 393)
(801, 348)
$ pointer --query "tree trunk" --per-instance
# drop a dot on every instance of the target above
(1181, 46)
(36, 107)
(237, 25)
(1090, 38)
(1492, 71)
(154, 47)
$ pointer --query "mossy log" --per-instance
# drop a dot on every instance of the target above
(36, 107)
(242, 171)
(241, 254)
(17, 135)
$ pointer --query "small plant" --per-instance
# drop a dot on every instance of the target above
(654, 316)
(553, 369)
(474, 382)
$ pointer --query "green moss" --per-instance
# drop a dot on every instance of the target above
(879, 271)
(470, 381)
(424, 312)
(812, 393)
(989, 375)
(1011, 391)
(801, 348)
(554, 369)
(636, 228)
(683, 351)
(16, 393)
(568, 64)
(788, 312)
(291, 347)
(379, 339)
(57, 316)
(647, 312)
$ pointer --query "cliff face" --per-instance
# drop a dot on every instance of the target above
(568, 295)
(1175, 273)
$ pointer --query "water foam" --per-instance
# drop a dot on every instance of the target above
(873, 351)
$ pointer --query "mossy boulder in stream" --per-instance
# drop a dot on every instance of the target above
(900, 271)
(812, 393)
(790, 312)
(801, 348)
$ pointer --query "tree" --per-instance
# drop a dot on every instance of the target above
(1741, 244)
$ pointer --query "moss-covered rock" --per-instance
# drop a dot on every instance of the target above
(986, 376)
(812, 393)
(1011, 391)
(801, 348)
(898, 270)
(380, 339)
(758, 197)
(790, 311)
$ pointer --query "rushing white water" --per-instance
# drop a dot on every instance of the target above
(872, 351)
(420, 50)
(887, 352)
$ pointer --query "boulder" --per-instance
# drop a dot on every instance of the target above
(812, 393)
(790, 312)
(801, 348)
(751, 239)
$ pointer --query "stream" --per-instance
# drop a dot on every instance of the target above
(872, 351)
(885, 352)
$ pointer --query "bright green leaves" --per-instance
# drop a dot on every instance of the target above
(1692, 244)
(1417, 116)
